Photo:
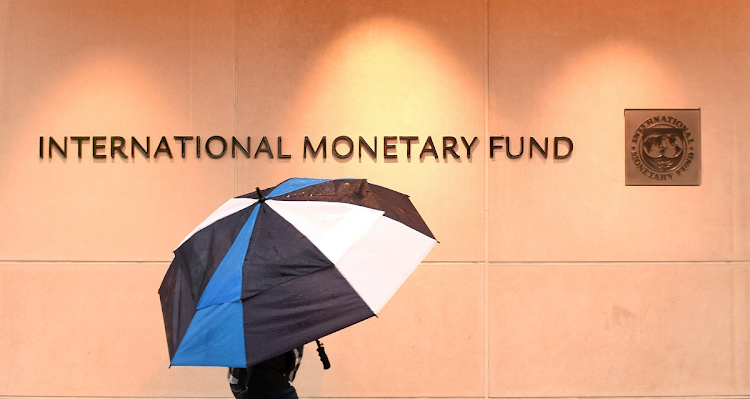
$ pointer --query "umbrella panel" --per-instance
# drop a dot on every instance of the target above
(277, 253)
(301, 311)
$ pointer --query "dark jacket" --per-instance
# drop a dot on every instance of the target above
(274, 373)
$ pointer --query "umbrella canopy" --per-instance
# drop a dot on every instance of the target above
(278, 268)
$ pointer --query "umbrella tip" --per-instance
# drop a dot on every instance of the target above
(261, 198)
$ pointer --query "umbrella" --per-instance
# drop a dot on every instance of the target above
(277, 268)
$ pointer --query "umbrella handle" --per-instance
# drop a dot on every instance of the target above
(323, 356)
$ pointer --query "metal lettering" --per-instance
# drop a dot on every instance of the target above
(334, 147)
(449, 145)
(263, 147)
(278, 149)
(115, 146)
(182, 140)
(163, 147)
(321, 146)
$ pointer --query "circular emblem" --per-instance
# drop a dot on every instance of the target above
(661, 146)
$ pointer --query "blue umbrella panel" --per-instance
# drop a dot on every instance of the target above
(278, 268)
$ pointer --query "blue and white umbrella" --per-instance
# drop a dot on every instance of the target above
(278, 268)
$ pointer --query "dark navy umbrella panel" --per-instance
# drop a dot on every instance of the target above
(301, 310)
(277, 253)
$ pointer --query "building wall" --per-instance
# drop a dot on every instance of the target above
(552, 278)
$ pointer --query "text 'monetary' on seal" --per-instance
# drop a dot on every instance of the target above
(662, 147)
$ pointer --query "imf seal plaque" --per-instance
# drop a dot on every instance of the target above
(662, 147)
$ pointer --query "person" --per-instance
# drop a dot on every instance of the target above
(270, 379)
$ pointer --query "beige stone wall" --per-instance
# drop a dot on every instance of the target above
(552, 278)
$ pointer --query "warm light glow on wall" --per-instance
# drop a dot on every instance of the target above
(384, 76)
